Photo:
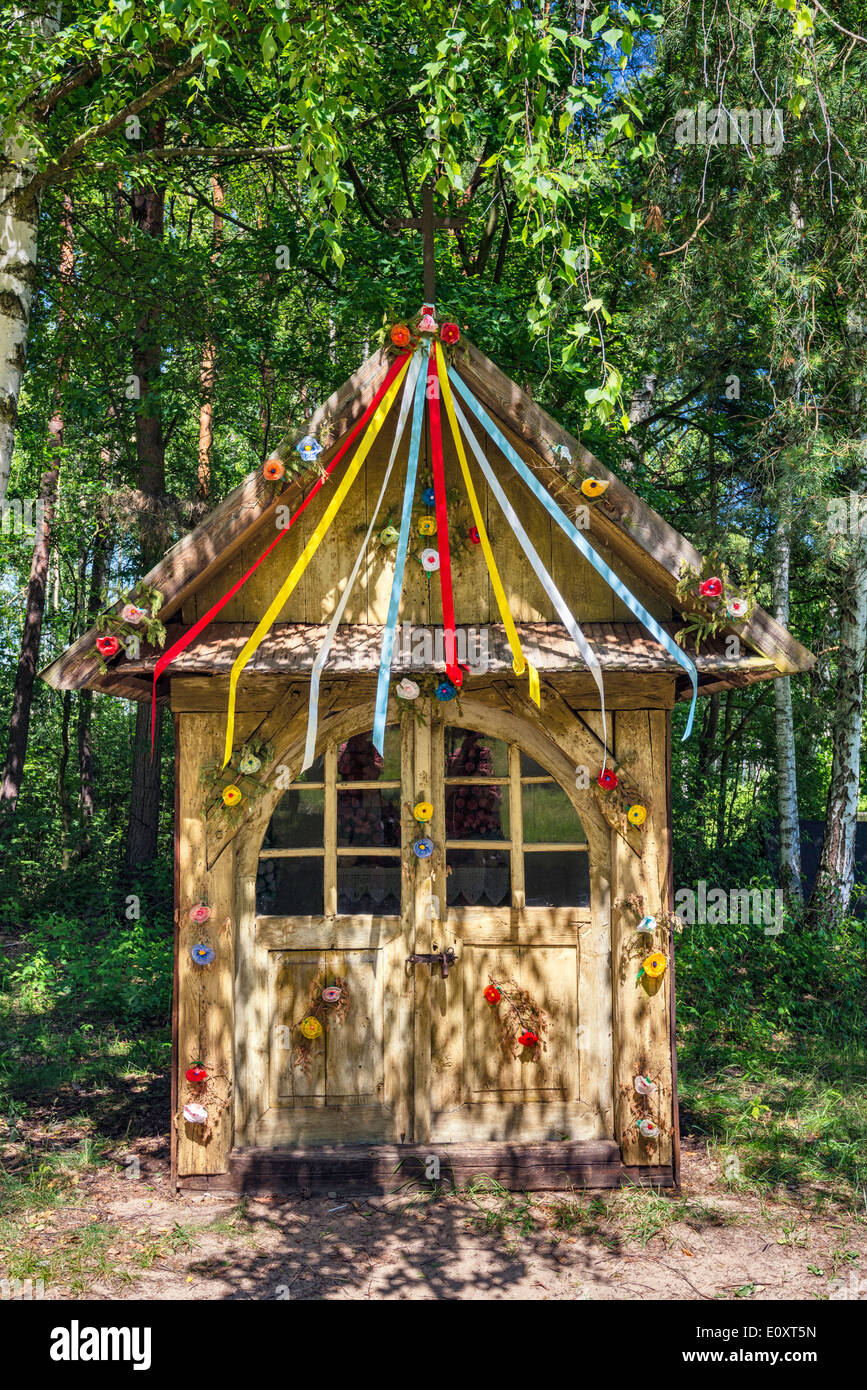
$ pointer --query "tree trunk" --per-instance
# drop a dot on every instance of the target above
(28, 660)
(833, 887)
(207, 374)
(143, 825)
(85, 705)
(784, 726)
(19, 218)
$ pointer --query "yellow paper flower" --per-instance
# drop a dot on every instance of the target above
(427, 526)
(593, 487)
(422, 810)
(232, 795)
(636, 815)
(654, 964)
(311, 1028)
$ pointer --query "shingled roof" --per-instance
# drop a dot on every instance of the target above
(620, 521)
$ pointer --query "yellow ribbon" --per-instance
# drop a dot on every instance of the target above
(519, 661)
(267, 621)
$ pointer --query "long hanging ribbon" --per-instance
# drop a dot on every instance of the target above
(453, 671)
(183, 642)
(637, 609)
(559, 603)
(322, 656)
(270, 615)
(520, 664)
(399, 565)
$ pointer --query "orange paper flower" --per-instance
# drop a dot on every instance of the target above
(400, 335)
(593, 487)
(273, 470)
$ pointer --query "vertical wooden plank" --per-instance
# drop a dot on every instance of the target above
(252, 1038)
(205, 993)
(399, 985)
(421, 783)
(330, 799)
(641, 1008)
(595, 1020)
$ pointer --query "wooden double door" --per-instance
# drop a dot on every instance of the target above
(410, 1053)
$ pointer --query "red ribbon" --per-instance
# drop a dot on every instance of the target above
(453, 670)
(183, 642)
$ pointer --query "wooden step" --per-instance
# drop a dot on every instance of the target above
(379, 1169)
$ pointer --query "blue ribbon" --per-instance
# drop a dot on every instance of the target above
(399, 564)
(589, 554)
(322, 656)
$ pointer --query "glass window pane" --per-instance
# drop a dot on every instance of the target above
(298, 820)
(477, 813)
(290, 887)
(315, 772)
(557, 878)
(358, 760)
(479, 878)
(530, 768)
(471, 754)
(369, 818)
(549, 816)
(367, 885)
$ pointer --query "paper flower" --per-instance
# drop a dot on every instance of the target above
(311, 1027)
(607, 779)
(423, 848)
(202, 955)
(200, 914)
(422, 810)
(445, 691)
(737, 608)
(430, 560)
(196, 1074)
(450, 333)
(653, 965)
(107, 646)
(195, 1114)
(427, 526)
(400, 335)
(492, 994)
(429, 497)
(273, 469)
(593, 487)
(710, 588)
(389, 535)
(636, 815)
(427, 323)
(309, 448)
(474, 536)
(332, 995)
(644, 1086)
(232, 795)
(647, 1129)
(131, 614)
(528, 1038)
(249, 764)
(647, 924)
(406, 690)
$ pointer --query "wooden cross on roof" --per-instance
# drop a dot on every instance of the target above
(427, 224)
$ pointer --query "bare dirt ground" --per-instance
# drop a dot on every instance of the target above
(708, 1242)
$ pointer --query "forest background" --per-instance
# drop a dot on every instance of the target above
(195, 251)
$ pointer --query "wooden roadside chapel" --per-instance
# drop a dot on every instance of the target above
(421, 668)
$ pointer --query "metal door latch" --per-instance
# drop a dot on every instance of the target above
(444, 959)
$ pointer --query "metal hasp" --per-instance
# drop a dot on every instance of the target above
(444, 959)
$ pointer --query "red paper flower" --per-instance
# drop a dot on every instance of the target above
(450, 333)
(528, 1039)
(607, 780)
(492, 994)
(400, 335)
(474, 535)
(710, 588)
(197, 1074)
(107, 646)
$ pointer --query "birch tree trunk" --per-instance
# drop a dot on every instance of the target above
(784, 727)
(833, 887)
(19, 217)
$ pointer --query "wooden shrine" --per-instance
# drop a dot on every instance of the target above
(532, 1041)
